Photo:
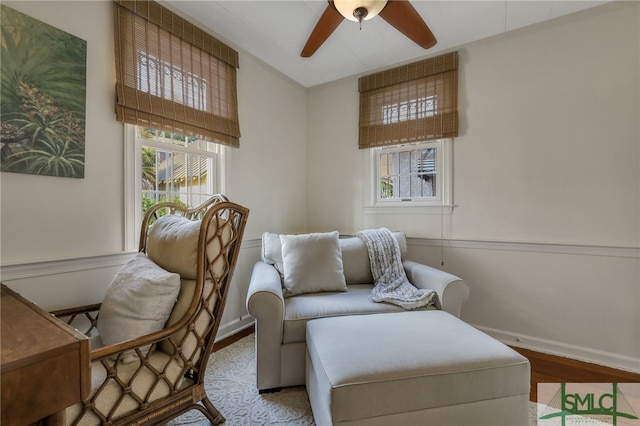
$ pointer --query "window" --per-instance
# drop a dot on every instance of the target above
(176, 92)
(412, 103)
(413, 174)
(162, 166)
(412, 109)
(406, 173)
(175, 168)
(173, 76)
(408, 117)
(167, 81)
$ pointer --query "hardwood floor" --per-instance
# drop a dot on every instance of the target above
(545, 368)
(232, 339)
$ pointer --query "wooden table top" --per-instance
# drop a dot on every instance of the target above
(39, 349)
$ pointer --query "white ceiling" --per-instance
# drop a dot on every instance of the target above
(276, 31)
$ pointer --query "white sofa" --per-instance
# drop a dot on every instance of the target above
(281, 319)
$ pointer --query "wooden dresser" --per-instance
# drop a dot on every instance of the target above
(45, 363)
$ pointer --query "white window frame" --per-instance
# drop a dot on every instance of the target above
(133, 178)
(439, 204)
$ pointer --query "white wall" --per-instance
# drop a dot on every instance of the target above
(268, 172)
(336, 180)
(549, 139)
(47, 218)
(546, 227)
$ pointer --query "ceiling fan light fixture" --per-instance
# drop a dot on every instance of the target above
(360, 13)
(359, 10)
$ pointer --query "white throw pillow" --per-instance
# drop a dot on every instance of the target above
(312, 263)
(138, 302)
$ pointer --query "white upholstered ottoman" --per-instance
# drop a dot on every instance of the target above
(412, 368)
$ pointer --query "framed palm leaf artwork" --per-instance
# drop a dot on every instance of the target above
(43, 98)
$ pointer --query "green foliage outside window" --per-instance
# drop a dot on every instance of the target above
(386, 188)
(148, 202)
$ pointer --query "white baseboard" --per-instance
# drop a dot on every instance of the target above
(233, 327)
(564, 350)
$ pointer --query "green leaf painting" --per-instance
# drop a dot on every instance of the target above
(43, 98)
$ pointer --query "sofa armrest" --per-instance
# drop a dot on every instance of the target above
(452, 291)
(265, 302)
(264, 297)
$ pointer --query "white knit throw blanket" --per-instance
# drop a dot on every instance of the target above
(391, 283)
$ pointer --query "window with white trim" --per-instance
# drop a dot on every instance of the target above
(415, 174)
(169, 167)
(408, 117)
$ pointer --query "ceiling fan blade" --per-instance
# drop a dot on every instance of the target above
(327, 23)
(402, 15)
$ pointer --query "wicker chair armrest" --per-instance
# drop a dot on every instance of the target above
(131, 345)
(85, 316)
(76, 310)
(147, 339)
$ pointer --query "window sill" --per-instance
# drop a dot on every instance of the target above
(409, 209)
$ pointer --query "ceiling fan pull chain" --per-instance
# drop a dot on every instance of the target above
(360, 13)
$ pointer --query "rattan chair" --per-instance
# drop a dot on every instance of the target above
(156, 377)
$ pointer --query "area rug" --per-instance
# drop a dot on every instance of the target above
(231, 386)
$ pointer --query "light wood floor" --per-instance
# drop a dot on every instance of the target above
(544, 368)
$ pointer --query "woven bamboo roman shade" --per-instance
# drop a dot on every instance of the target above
(172, 76)
(411, 103)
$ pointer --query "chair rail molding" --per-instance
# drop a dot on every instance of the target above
(579, 249)
(62, 266)
(43, 268)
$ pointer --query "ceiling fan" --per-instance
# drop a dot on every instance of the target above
(399, 13)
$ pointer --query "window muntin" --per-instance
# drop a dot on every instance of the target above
(411, 103)
(412, 174)
(168, 81)
(173, 76)
(175, 168)
(407, 173)
(413, 109)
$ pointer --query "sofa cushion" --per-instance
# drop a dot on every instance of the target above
(300, 309)
(306, 307)
(355, 257)
(138, 302)
(272, 251)
(312, 263)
